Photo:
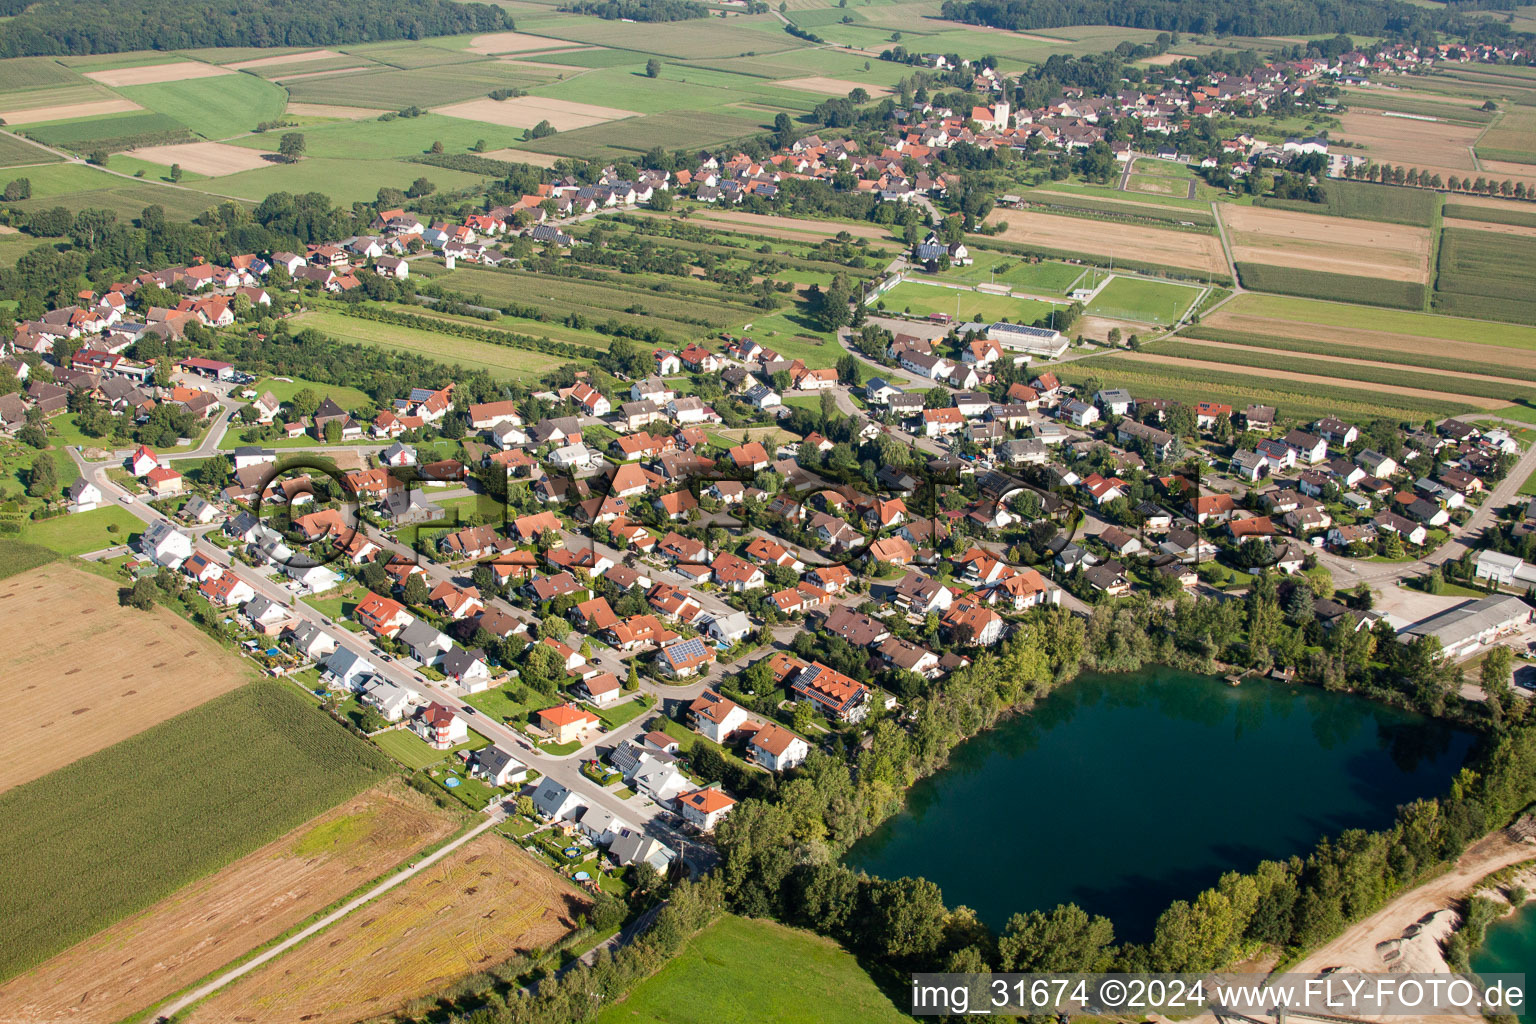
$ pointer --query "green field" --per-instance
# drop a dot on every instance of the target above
(1249, 359)
(215, 108)
(1408, 103)
(1047, 276)
(1364, 201)
(345, 181)
(1486, 273)
(1428, 325)
(497, 360)
(1398, 357)
(424, 87)
(1512, 138)
(1192, 384)
(702, 38)
(923, 299)
(402, 137)
(742, 971)
(1130, 298)
(116, 831)
(15, 152)
(104, 131)
(416, 753)
(1509, 214)
(83, 532)
(673, 130)
(22, 73)
(1316, 284)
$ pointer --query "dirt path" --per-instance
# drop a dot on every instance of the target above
(1346, 360)
(1357, 946)
(1312, 378)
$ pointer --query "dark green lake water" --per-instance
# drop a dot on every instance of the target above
(1510, 948)
(1123, 793)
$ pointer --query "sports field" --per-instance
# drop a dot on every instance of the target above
(741, 971)
(140, 819)
(144, 959)
(481, 905)
(92, 672)
(922, 299)
(1156, 302)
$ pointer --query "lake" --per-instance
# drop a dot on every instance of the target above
(1123, 793)
(1510, 948)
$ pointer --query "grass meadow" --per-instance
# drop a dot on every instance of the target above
(739, 970)
(118, 830)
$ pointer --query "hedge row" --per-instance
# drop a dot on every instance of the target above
(1316, 284)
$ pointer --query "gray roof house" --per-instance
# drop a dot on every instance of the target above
(631, 847)
(555, 802)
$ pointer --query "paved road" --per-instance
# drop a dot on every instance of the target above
(403, 875)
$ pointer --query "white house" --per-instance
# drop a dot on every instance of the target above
(388, 699)
(704, 808)
(83, 495)
(778, 749)
(165, 545)
(556, 803)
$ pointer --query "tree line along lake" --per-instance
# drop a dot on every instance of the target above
(1122, 793)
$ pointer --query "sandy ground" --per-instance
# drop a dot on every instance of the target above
(68, 110)
(1344, 359)
(1105, 238)
(153, 74)
(1098, 328)
(1310, 378)
(479, 906)
(1162, 60)
(210, 158)
(514, 42)
(1358, 946)
(144, 959)
(527, 111)
(1489, 201)
(92, 673)
(1407, 141)
(831, 86)
(523, 156)
(328, 110)
(1473, 353)
(287, 58)
(1335, 245)
(1490, 226)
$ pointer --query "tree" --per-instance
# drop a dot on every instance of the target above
(420, 187)
(1494, 672)
(175, 172)
(542, 130)
(143, 595)
(43, 481)
(653, 68)
(437, 146)
(632, 681)
(415, 590)
(291, 146)
(98, 157)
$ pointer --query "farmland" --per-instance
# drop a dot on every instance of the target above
(147, 957)
(740, 970)
(1512, 139)
(110, 671)
(477, 907)
(497, 360)
(1319, 284)
(140, 819)
(1330, 245)
(1305, 316)
(1451, 357)
(1487, 273)
(1357, 200)
(1200, 253)
(1297, 395)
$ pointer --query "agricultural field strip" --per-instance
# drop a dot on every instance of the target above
(1364, 351)
(1427, 393)
(141, 960)
(1345, 368)
(1315, 313)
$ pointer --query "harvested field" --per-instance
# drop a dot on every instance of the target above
(145, 958)
(289, 58)
(1185, 249)
(67, 111)
(330, 110)
(1491, 226)
(1473, 354)
(478, 907)
(207, 158)
(323, 74)
(800, 228)
(1333, 245)
(1311, 378)
(1162, 60)
(514, 42)
(1411, 142)
(1343, 361)
(527, 111)
(1509, 169)
(831, 86)
(94, 672)
(153, 74)
(523, 156)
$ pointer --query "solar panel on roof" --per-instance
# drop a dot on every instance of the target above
(686, 650)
